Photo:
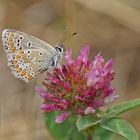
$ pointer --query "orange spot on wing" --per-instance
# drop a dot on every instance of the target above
(30, 77)
(19, 69)
(21, 52)
(11, 34)
(23, 73)
(15, 61)
(18, 56)
(13, 49)
(11, 44)
(17, 66)
(10, 39)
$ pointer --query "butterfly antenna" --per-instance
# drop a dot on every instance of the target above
(73, 34)
(62, 35)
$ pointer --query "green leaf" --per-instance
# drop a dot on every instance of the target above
(101, 134)
(85, 122)
(121, 127)
(65, 131)
(123, 107)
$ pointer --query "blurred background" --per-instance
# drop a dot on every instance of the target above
(111, 26)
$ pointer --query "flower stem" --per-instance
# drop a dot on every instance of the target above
(89, 134)
(89, 137)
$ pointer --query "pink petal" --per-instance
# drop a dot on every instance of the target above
(108, 66)
(53, 78)
(89, 110)
(83, 56)
(80, 111)
(67, 86)
(98, 62)
(91, 77)
(111, 98)
(68, 56)
(46, 95)
(64, 104)
(49, 107)
(59, 73)
(61, 117)
(98, 103)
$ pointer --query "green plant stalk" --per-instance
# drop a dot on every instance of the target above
(89, 134)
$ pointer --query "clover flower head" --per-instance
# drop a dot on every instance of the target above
(80, 86)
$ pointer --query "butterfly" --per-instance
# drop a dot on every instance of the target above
(29, 56)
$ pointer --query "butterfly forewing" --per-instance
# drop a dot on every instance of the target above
(22, 40)
(27, 56)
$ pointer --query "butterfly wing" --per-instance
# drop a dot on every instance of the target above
(28, 64)
(27, 56)
(14, 40)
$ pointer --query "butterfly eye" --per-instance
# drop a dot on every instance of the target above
(59, 49)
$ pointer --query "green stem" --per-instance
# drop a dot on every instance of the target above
(89, 137)
(89, 134)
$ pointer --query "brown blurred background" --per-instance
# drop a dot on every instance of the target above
(109, 26)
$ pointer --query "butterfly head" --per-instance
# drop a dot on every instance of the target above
(60, 49)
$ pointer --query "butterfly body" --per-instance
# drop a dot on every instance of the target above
(29, 56)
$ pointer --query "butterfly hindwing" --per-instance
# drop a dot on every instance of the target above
(29, 63)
